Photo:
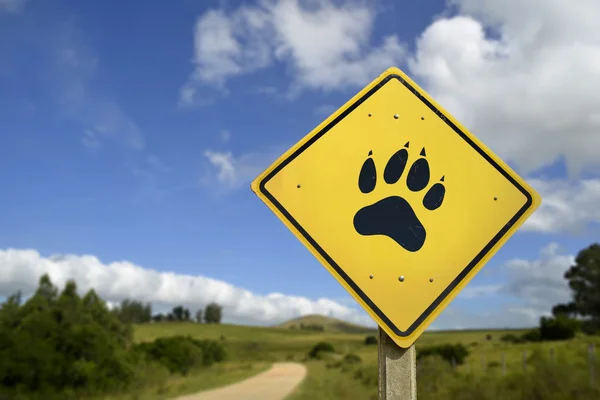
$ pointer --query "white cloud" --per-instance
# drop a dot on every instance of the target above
(325, 110)
(12, 6)
(225, 165)
(529, 91)
(530, 289)
(566, 206)
(21, 270)
(324, 45)
(540, 282)
(229, 172)
(471, 292)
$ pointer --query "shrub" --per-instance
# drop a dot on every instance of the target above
(488, 337)
(352, 359)
(367, 375)
(321, 347)
(180, 354)
(313, 327)
(590, 327)
(456, 353)
(558, 328)
(532, 335)
(512, 338)
(370, 340)
(175, 353)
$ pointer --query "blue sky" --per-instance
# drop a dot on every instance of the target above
(129, 135)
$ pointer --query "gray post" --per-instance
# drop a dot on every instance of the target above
(397, 370)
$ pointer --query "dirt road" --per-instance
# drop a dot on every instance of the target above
(274, 384)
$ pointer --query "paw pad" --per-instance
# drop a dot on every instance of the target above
(393, 216)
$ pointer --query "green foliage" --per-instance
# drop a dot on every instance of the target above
(370, 340)
(133, 312)
(321, 347)
(532, 335)
(558, 328)
(352, 358)
(61, 343)
(199, 316)
(452, 353)
(179, 313)
(512, 338)
(568, 380)
(584, 281)
(181, 354)
(567, 309)
(213, 313)
(313, 327)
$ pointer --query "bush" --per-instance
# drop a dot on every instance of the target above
(488, 337)
(321, 347)
(367, 375)
(456, 353)
(352, 359)
(313, 327)
(532, 335)
(558, 328)
(512, 338)
(370, 340)
(590, 327)
(180, 354)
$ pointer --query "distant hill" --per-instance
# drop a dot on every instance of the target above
(326, 324)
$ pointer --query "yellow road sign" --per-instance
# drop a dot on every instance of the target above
(398, 201)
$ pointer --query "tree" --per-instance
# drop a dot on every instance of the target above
(567, 310)
(213, 313)
(584, 281)
(199, 316)
(133, 312)
(177, 313)
(61, 343)
(558, 328)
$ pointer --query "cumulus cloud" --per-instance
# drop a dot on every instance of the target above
(567, 206)
(324, 45)
(21, 269)
(528, 291)
(522, 75)
(230, 172)
(540, 282)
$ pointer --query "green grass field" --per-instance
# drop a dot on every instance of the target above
(325, 380)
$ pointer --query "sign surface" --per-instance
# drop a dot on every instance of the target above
(398, 201)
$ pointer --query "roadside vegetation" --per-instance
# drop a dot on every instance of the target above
(60, 345)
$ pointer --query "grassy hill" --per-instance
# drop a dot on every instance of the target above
(329, 324)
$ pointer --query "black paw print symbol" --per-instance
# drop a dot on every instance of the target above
(393, 216)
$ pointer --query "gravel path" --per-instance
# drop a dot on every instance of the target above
(274, 384)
